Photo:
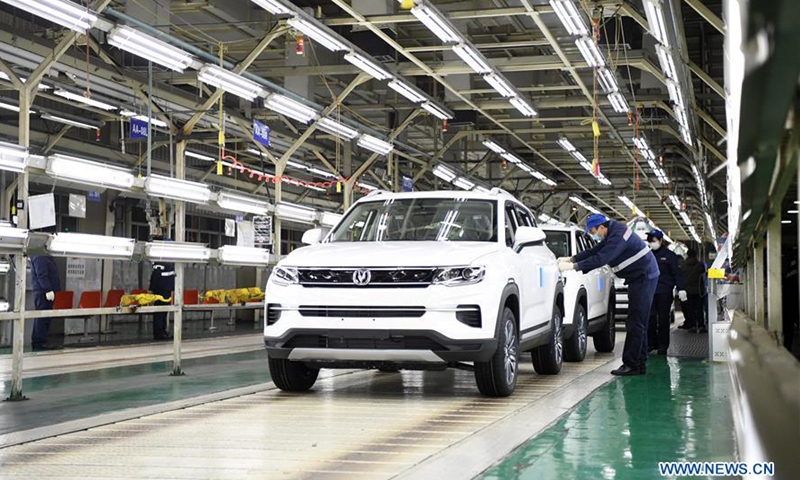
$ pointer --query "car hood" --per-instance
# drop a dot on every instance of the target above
(389, 254)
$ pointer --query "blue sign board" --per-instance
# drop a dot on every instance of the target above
(138, 128)
(261, 133)
(408, 184)
(93, 196)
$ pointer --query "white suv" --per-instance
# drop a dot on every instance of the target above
(589, 298)
(418, 281)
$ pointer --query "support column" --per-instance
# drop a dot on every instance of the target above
(774, 280)
(279, 169)
(749, 297)
(180, 236)
(108, 265)
(758, 286)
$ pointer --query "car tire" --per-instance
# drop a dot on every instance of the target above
(497, 377)
(547, 359)
(606, 338)
(575, 346)
(291, 376)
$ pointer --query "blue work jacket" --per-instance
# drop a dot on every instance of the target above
(623, 251)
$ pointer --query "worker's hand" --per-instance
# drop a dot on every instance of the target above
(564, 259)
(566, 266)
(50, 296)
(683, 296)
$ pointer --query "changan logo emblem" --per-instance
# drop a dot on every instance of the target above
(362, 277)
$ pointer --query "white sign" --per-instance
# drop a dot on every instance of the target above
(41, 211)
(245, 234)
(77, 206)
(230, 227)
(719, 342)
(76, 268)
(263, 230)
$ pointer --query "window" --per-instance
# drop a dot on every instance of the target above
(523, 217)
(511, 225)
(558, 243)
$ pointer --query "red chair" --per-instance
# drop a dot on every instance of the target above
(64, 300)
(91, 299)
(113, 298)
(137, 291)
(191, 297)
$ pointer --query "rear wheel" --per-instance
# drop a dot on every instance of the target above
(606, 338)
(292, 376)
(498, 376)
(547, 359)
(575, 346)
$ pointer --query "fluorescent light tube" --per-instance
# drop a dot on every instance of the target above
(274, 7)
(290, 108)
(463, 183)
(444, 173)
(608, 81)
(640, 142)
(579, 201)
(367, 66)
(675, 94)
(335, 128)
(366, 186)
(230, 82)
(290, 211)
(322, 173)
(686, 219)
(63, 12)
(680, 116)
(12, 239)
(406, 91)
(90, 246)
(494, 147)
(5, 267)
(150, 48)
(655, 18)
(525, 168)
(591, 53)
(8, 106)
(436, 23)
(13, 157)
(375, 144)
(242, 203)
(511, 157)
(586, 166)
(500, 85)
(523, 107)
(472, 58)
(667, 62)
(70, 122)
(547, 180)
(578, 156)
(318, 34)
(711, 226)
(153, 121)
(630, 205)
(177, 252)
(88, 172)
(687, 135)
(199, 156)
(166, 187)
(602, 179)
(676, 202)
(618, 102)
(566, 144)
(244, 256)
(84, 100)
(330, 219)
(437, 112)
(570, 17)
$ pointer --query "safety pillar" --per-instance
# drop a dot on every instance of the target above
(774, 279)
(180, 236)
(758, 287)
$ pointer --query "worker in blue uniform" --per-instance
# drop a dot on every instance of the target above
(45, 283)
(630, 259)
(670, 276)
(162, 282)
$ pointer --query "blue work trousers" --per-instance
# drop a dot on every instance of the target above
(640, 298)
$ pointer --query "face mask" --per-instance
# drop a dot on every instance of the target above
(597, 238)
(655, 245)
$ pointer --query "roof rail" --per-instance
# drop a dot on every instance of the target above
(500, 191)
(375, 192)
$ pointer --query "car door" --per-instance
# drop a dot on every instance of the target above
(540, 271)
(596, 282)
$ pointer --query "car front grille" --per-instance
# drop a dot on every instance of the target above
(360, 312)
(378, 277)
(401, 342)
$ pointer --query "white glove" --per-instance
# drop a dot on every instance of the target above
(683, 296)
(50, 296)
(566, 266)
(564, 259)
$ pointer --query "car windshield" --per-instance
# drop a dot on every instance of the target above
(419, 219)
(558, 243)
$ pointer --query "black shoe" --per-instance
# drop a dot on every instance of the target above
(39, 348)
(703, 330)
(162, 336)
(685, 326)
(662, 351)
(625, 371)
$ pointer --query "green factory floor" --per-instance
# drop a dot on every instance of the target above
(679, 411)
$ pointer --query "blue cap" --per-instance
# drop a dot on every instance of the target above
(656, 234)
(595, 220)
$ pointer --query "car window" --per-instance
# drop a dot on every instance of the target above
(580, 242)
(558, 243)
(523, 218)
(511, 225)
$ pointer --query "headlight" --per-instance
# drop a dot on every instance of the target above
(285, 276)
(456, 276)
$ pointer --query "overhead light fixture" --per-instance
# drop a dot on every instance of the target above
(695, 235)
(320, 35)
(494, 147)
(91, 246)
(335, 128)
(525, 168)
(628, 203)
(366, 186)
(230, 82)
(13, 158)
(570, 17)
(590, 51)
(436, 111)
(463, 183)
(472, 57)
(667, 62)
(150, 48)
(711, 228)
(243, 256)
(566, 144)
(406, 91)
(500, 84)
(290, 108)
(444, 173)
(175, 189)
(322, 173)
(579, 201)
(675, 94)
(687, 136)
(523, 106)
(686, 219)
(655, 18)
(676, 202)
(89, 172)
(298, 213)
(511, 157)
(608, 81)
(436, 23)
(63, 12)
(5, 266)
(12, 239)
(367, 66)
(84, 100)
(330, 219)
(544, 178)
(680, 116)
(70, 122)
(200, 156)
(603, 180)
(242, 203)
(618, 102)
(178, 252)
(8, 106)
(375, 144)
(641, 143)
(273, 6)
(152, 121)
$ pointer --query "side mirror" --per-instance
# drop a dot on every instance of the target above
(528, 236)
(312, 237)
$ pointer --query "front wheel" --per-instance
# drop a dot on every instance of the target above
(291, 376)
(497, 377)
(606, 338)
(575, 348)
(547, 359)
